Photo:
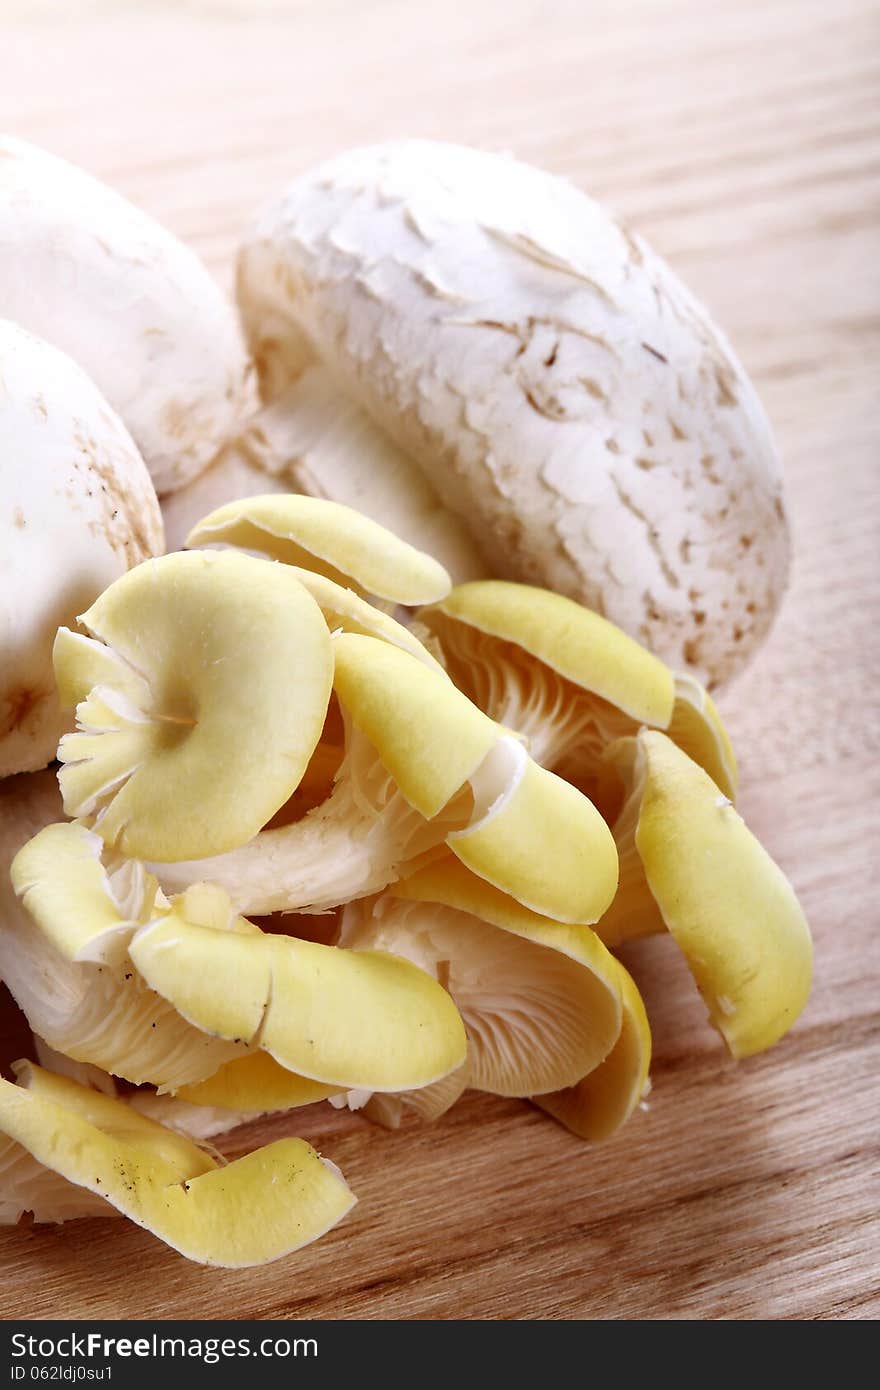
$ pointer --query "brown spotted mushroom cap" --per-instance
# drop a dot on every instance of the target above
(556, 383)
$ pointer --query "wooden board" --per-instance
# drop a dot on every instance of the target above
(742, 139)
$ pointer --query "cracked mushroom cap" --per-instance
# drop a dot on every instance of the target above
(690, 865)
(78, 511)
(568, 679)
(91, 273)
(556, 384)
(540, 1001)
(200, 697)
(262, 1206)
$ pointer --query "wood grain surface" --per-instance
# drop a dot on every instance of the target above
(742, 138)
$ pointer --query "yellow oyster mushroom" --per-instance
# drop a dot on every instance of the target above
(568, 679)
(538, 838)
(260, 1207)
(604, 1099)
(540, 1001)
(411, 743)
(256, 1084)
(199, 713)
(346, 611)
(423, 767)
(689, 864)
(66, 920)
(353, 1020)
(329, 538)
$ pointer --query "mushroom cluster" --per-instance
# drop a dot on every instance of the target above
(476, 806)
(341, 812)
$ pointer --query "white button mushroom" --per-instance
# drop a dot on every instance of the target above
(91, 273)
(550, 381)
(78, 509)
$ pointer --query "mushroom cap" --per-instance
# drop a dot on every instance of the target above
(352, 1019)
(603, 1100)
(730, 909)
(198, 717)
(262, 1206)
(562, 390)
(91, 273)
(541, 1001)
(79, 510)
(330, 539)
(592, 653)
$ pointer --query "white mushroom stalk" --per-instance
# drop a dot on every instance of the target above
(568, 680)
(98, 278)
(511, 370)
(78, 510)
(423, 768)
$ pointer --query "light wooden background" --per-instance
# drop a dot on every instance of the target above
(742, 138)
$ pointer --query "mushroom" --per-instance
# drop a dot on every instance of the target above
(422, 767)
(372, 1021)
(258, 1208)
(89, 272)
(330, 540)
(690, 865)
(78, 510)
(517, 373)
(568, 680)
(603, 1100)
(541, 1002)
(63, 954)
(200, 697)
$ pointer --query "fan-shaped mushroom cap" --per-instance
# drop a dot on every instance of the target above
(559, 388)
(255, 1085)
(198, 717)
(65, 926)
(78, 511)
(569, 680)
(351, 1019)
(262, 1206)
(605, 1098)
(423, 767)
(87, 271)
(690, 864)
(329, 539)
(540, 1001)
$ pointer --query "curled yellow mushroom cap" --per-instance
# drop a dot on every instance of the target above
(66, 923)
(562, 635)
(256, 1084)
(260, 1207)
(538, 838)
(350, 1019)
(329, 538)
(201, 720)
(346, 611)
(541, 1002)
(730, 909)
(604, 1099)
(429, 736)
(568, 679)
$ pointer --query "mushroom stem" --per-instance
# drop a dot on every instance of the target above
(314, 438)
